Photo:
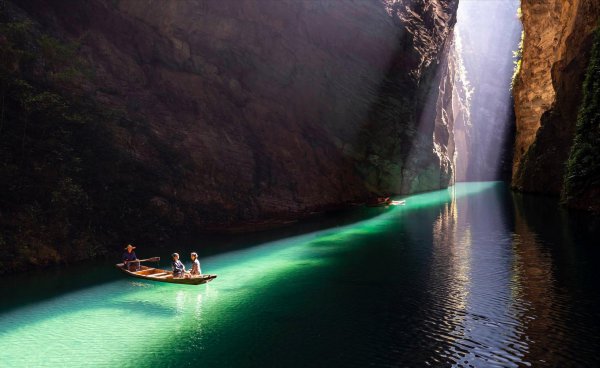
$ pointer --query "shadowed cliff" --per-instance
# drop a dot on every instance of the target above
(136, 121)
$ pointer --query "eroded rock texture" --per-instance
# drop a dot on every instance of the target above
(547, 93)
(396, 153)
(237, 112)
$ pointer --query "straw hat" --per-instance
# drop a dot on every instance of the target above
(129, 246)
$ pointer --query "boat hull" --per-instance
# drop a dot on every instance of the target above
(159, 275)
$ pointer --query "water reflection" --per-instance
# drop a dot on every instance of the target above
(496, 296)
(472, 268)
(180, 301)
(535, 292)
(476, 277)
(552, 314)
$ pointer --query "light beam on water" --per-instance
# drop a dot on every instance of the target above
(127, 322)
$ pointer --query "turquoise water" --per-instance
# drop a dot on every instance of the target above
(473, 275)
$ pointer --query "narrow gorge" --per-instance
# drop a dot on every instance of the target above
(135, 121)
(299, 183)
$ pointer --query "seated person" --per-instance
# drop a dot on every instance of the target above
(129, 256)
(178, 267)
(195, 271)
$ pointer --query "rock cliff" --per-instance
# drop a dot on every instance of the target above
(548, 90)
(396, 153)
(582, 178)
(215, 115)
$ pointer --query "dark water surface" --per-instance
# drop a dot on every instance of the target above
(470, 276)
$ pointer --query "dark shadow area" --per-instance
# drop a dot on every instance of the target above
(38, 284)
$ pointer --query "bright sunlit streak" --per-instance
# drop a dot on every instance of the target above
(487, 34)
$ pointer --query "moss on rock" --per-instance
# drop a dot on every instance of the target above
(582, 179)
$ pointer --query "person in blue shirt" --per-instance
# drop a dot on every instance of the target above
(178, 267)
(129, 256)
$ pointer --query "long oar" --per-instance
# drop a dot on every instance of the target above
(153, 259)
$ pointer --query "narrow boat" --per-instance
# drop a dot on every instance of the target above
(384, 202)
(156, 274)
(379, 202)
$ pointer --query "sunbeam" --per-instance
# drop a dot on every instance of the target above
(487, 32)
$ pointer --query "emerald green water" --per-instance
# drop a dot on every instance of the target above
(473, 275)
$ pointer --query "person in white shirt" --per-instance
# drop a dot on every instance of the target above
(195, 271)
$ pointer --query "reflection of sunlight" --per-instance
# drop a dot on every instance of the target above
(451, 247)
(478, 315)
(180, 301)
(198, 310)
(474, 283)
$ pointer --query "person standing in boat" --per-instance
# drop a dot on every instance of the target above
(129, 256)
(178, 267)
(195, 271)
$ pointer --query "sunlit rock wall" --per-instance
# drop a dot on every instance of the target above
(547, 92)
(461, 112)
(396, 153)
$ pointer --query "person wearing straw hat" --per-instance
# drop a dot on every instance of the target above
(129, 256)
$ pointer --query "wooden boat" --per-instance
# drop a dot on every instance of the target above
(379, 202)
(384, 202)
(156, 274)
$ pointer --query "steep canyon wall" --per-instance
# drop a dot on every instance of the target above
(138, 120)
(548, 90)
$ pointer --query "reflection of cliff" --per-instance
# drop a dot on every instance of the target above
(540, 307)
(547, 92)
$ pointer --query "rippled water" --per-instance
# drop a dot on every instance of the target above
(472, 276)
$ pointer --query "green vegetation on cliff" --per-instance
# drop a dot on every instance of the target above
(582, 179)
(67, 193)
